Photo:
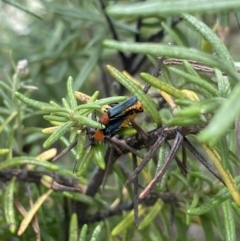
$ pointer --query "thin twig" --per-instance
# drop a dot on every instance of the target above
(23, 175)
(148, 201)
(156, 73)
(124, 146)
(63, 152)
(172, 154)
(194, 151)
(146, 159)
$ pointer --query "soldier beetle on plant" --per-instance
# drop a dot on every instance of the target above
(118, 116)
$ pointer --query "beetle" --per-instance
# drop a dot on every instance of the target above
(121, 109)
(118, 116)
(115, 124)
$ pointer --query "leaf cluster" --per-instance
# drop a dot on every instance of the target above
(196, 95)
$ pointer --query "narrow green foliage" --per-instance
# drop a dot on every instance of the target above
(195, 80)
(54, 104)
(208, 34)
(71, 96)
(163, 86)
(147, 102)
(156, 208)
(84, 162)
(173, 52)
(127, 222)
(73, 228)
(214, 201)
(9, 206)
(208, 228)
(230, 229)
(111, 100)
(96, 233)
(8, 120)
(18, 161)
(236, 208)
(88, 67)
(184, 103)
(4, 151)
(195, 201)
(224, 118)
(203, 177)
(94, 97)
(98, 154)
(56, 109)
(174, 36)
(22, 8)
(73, 134)
(83, 120)
(170, 7)
(196, 94)
(224, 153)
(91, 106)
(200, 107)
(33, 103)
(162, 154)
(223, 83)
(60, 131)
(83, 234)
(55, 118)
(217, 219)
(81, 198)
(80, 145)
(65, 103)
(182, 121)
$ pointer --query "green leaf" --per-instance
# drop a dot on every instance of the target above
(147, 102)
(163, 86)
(200, 107)
(81, 198)
(230, 229)
(171, 7)
(83, 234)
(212, 38)
(33, 103)
(55, 118)
(110, 100)
(84, 120)
(214, 201)
(223, 83)
(9, 206)
(87, 68)
(60, 131)
(98, 154)
(22, 7)
(173, 34)
(196, 80)
(96, 233)
(223, 119)
(85, 162)
(71, 96)
(208, 228)
(73, 228)
(127, 222)
(155, 209)
(18, 161)
(80, 145)
(173, 52)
